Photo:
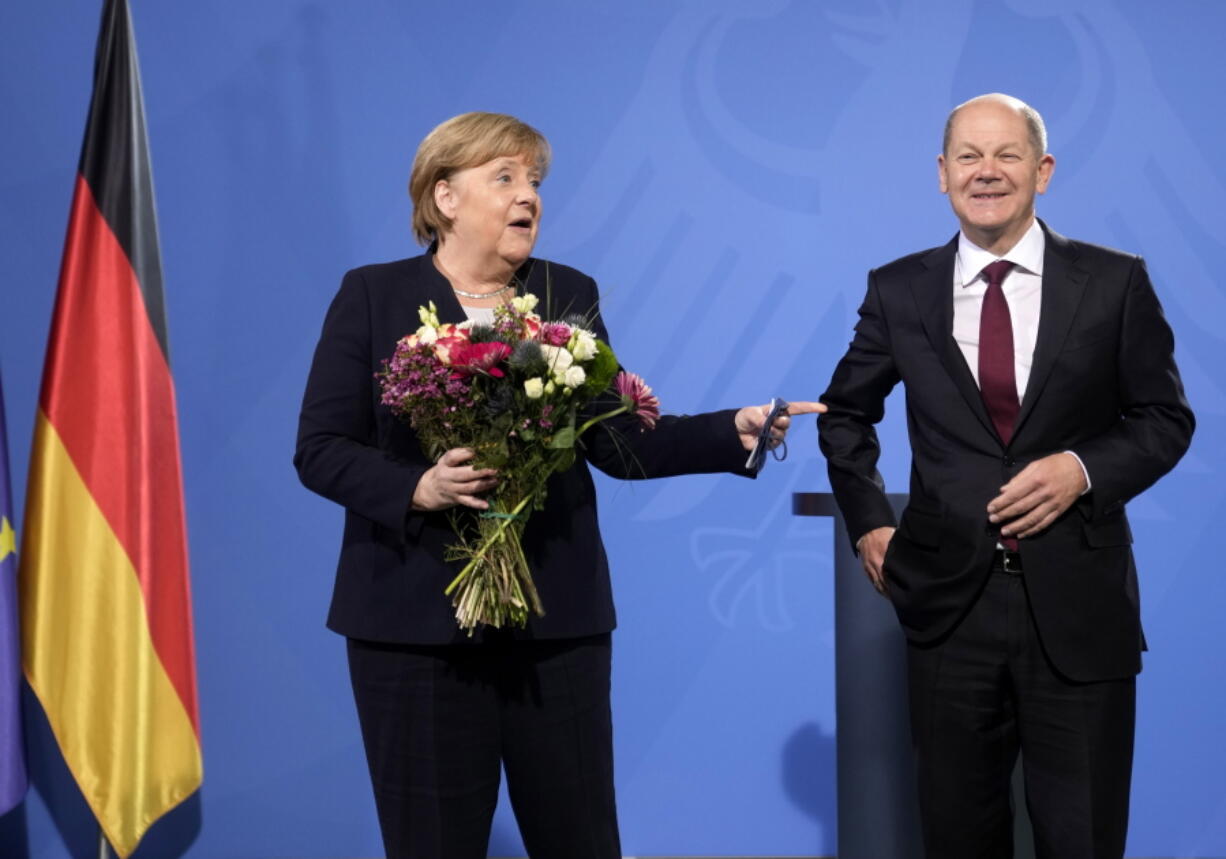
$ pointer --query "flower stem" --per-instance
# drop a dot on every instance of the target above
(478, 555)
(592, 421)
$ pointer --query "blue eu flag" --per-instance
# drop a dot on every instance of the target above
(12, 751)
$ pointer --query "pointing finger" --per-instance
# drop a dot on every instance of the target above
(806, 408)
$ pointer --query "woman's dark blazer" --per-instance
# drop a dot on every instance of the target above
(352, 450)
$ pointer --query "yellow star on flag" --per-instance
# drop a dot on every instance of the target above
(8, 539)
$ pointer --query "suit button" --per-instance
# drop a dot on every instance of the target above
(1010, 462)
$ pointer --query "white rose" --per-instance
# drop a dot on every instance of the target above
(550, 387)
(426, 334)
(583, 346)
(574, 377)
(557, 358)
(534, 388)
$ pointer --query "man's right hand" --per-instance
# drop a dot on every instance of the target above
(450, 482)
(871, 547)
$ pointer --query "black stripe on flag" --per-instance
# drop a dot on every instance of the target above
(115, 158)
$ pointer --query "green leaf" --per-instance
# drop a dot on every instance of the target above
(564, 460)
(601, 370)
(563, 437)
(494, 451)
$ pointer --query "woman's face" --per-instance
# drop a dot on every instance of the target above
(495, 208)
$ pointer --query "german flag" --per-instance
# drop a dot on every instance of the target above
(104, 593)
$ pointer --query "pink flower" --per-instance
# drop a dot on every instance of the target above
(470, 358)
(638, 398)
(450, 338)
(555, 333)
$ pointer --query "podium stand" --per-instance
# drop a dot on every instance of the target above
(878, 812)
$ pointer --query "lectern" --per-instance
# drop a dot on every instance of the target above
(878, 813)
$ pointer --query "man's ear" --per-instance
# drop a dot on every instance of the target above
(941, 174)
(1047, 166)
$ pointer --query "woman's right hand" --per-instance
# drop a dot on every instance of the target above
(450, 482)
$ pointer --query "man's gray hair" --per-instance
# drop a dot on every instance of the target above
(1037, 131)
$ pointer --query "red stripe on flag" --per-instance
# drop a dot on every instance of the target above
(108, 391)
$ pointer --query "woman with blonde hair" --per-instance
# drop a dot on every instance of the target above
(441, 713)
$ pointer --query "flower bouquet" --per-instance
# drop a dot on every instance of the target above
(514, 392)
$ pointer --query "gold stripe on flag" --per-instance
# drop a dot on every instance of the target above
(89, 658)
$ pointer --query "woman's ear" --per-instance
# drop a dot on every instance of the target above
(445, 198)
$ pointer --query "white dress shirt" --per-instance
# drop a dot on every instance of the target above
(479, 315)
(1023, 288)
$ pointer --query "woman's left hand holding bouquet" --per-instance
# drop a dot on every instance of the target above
(450, 482)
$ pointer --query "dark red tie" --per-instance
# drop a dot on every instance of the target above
(997, 382)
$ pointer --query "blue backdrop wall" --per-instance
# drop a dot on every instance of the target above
(737, 166)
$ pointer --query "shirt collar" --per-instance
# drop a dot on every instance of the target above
(1027, 255)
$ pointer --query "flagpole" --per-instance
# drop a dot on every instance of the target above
(104, 846)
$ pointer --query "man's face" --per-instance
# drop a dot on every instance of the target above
(991, 174)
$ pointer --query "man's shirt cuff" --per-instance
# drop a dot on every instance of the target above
(1083, 471)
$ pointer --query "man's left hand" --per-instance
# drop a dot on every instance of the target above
(1038, 495)
(749, 422)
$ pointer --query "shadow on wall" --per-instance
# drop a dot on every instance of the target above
(808, 767)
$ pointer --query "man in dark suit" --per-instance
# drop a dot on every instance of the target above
(1042, 395)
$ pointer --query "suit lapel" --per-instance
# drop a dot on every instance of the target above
(438, 289)
(1064, 284)
(934, 299)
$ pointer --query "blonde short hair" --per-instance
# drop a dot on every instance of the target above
(459, 143)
